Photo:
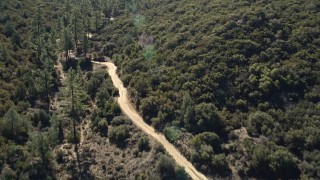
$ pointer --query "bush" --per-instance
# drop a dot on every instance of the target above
(60, 156)
(165, 168)
(277, 164)
(40, 117)
(207, 138)
(283, 165)
(172, 133)
(181, 174)
(119, 120)
(103, 127)
(220, 164)
(260, 123)
(143, 143)
(208, 118)
(8, 174)
(119, 134)
(158, 148)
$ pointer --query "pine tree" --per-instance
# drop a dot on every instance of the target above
(78, 99)
(67, 43)
(45, 83)
(187, 111)
(3, 53)
(44, 77)
(37, 22)
(76, 94)
(40, 146)
(85, 44)
(75, 21)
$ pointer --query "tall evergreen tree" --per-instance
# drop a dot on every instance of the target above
(75, 22)
(85, 44)
(3, 53)
(67, 43)
(76, 93)
(45, 83)
(78, 98)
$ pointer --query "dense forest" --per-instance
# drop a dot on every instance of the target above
(208, 69)
(58, 115)
(234, 85)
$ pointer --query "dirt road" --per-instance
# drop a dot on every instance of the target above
(127, 108)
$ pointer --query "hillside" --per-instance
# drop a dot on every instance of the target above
(233, 85)
(206, 68)
(58, 114)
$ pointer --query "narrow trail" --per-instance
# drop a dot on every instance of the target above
(129, 110)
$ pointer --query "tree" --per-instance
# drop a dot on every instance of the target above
(16, 40)
(187, 111)
(14, 127)
(4, 53)
(56, 135)
(20, 92)
(67, 43)
(38, 21)
(44, 85)
(31, 88)
(40, 146)
(78, 99)
(9, 28)
(85, 43)
(76, 94)
(76, 25)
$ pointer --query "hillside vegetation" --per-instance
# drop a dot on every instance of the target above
(210, 68)
(233, 84)
(58, 114)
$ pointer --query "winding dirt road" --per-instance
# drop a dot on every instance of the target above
(127, 109)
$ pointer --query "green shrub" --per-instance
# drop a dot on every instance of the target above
(14, 126)
(165, 168)
(220, 164)
(143, 143)
(181, 174)
(8, 174)
(119, 120)
(172, 133)
(207, 138)
(42, 117)
(103, 127)
(158, 148)
(260, 123)
(60, 156)
(119, 134)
